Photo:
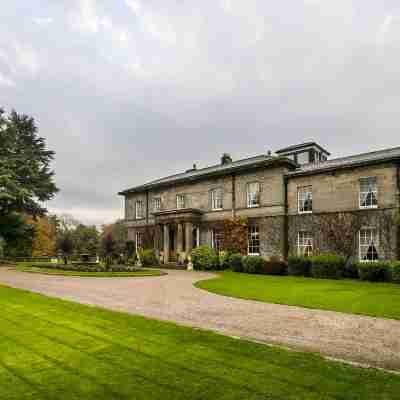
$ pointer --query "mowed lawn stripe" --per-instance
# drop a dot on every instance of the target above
(199, 365)
(94, 351)
(348, 296)
(210, 356)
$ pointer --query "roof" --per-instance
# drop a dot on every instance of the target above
(374, 157)
(300, 146)
(219, 169)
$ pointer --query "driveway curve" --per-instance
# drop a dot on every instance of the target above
(173, 297)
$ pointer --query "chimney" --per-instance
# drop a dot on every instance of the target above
(226, 159)
(192, 169)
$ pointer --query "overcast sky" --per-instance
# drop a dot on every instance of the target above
(130, 90)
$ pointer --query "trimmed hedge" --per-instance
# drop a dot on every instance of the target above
(351, 270)
(235, 262)
(87, 267)
(396, 271)
(275, 267)
(328, 266)
(204, 258)
(299, 266)
(253, 264)
(375, 271)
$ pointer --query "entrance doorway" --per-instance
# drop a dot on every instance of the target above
(172, 244)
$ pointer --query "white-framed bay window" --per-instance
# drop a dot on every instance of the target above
(139, 209)
(217, 238)
(305, 243)
(368, 244)
(253, 243)
(368, 197)
(180, 201)
(216, 199)
(304, 200)
(253, 194)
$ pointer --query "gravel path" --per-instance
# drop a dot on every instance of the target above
(173, 297)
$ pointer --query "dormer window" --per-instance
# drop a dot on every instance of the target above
(304, 153)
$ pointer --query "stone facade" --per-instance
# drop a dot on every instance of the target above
(276, 218)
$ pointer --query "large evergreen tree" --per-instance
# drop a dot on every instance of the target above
(26, 179)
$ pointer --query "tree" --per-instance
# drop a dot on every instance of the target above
(44, 237)
(26, 180)
(66, 245)
(85, 239)
(108, 245)
(16, 234)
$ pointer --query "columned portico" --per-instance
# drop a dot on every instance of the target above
(178, 223)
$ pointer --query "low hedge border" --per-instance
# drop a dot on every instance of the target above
(86, 267)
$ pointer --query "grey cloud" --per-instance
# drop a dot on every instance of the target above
(132, 90)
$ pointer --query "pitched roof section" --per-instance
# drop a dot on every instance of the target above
(374, 157)
(219, 169)
(300, 146)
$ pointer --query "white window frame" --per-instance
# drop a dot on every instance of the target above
(217, 237)
(374, 192)
(139, 209)
(180, 201)
(301, 198)
(139, 241)
(302, 245)
(157, 204)
(216, 199)
(251, 195)
(253, 234)
(361, 246)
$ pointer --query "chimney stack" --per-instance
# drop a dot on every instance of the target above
(226, 159)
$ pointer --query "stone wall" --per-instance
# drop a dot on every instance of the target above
(382, 219)
(339, 190)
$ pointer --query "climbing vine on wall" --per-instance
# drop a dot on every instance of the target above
(235, 235)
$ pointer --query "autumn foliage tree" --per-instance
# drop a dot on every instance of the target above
(44, 237)
(235, 235)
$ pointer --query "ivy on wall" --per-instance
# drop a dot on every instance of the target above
(235, 235)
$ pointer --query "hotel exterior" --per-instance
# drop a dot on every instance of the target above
(291, 200)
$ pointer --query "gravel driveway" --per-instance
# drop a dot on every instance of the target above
(173, 297)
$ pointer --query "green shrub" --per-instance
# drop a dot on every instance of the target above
(204, 258)
(224, 260)
(375, 271)
(275, 266)
(328, 265)
(253, 264)
(396, 271)
(235, 262)
(351, 270)
(299, 266)
(148, 258)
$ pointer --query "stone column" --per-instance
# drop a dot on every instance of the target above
(179, 247)
(189, 237)
(166, 243)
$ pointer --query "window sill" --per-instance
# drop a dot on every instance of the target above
(253, 206)
(368, 207)
(253, 254)
(304, 212)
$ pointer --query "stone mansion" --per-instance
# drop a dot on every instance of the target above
(286, 197)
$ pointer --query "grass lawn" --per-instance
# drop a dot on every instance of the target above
(349, 296)
(54, 349)
(50, 271)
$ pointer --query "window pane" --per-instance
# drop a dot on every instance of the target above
(369, 245)
(216, 199)
(303, 158)
(253, 194)
(304, 195)
(368, 192)
(305, 243)
(253, 240)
